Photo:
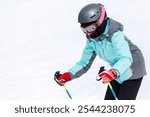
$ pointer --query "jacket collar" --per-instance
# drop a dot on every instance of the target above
(111, 27)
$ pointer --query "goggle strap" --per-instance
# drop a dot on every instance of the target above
(102, 15)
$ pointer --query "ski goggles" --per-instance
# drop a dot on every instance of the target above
(90, 28)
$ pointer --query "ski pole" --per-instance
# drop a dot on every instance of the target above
(57, 74)
(112, 90)
(110, 86)
(67, 92)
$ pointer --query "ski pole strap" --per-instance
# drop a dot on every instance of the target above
(113, 92)
(67, 92)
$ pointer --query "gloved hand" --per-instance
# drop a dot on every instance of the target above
(107, 75)
(61, 79)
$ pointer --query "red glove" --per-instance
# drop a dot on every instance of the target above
(108, 76)
(61, 79)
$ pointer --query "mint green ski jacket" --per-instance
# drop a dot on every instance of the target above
(113, 47)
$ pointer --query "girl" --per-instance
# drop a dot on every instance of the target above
(106, 39)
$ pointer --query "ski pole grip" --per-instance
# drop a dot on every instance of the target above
(100, 70)
(56, 75)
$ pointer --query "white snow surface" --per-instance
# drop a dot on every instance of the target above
(39, 37)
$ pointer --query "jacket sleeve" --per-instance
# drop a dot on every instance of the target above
(85, 62)
(121, 47)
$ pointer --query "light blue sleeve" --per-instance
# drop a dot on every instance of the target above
(85, 62)
(124, 55)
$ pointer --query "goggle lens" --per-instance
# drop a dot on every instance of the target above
(89, 29)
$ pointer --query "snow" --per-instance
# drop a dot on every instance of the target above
(39, 37)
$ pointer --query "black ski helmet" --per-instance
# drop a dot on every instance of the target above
(92, 13)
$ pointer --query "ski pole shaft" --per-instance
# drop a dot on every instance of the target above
(98, 78)
(67, 92)
(112, 90)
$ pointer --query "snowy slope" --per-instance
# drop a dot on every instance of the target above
(39, 37)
